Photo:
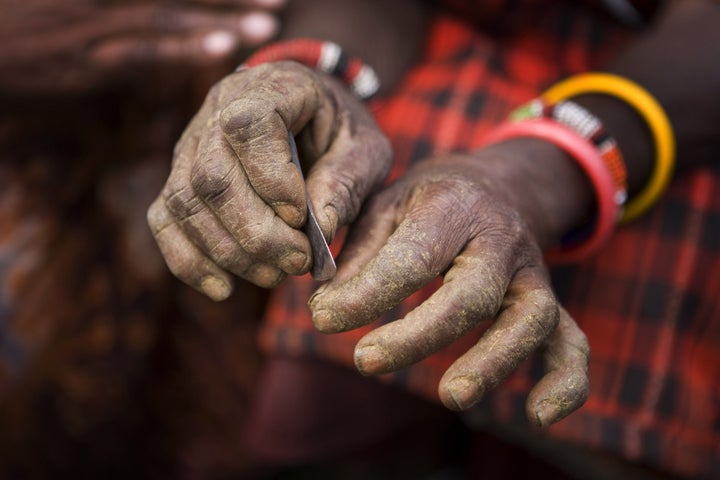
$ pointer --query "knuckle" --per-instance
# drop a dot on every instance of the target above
(182, 266)
(157, 216)
(254, 239)
(224, 252)
(245, 116)
(544, 302)
(154, 213)
(347, 198)
(211, 180)
(581, 344)
(182, 270)
(181, 201)
(544, 312)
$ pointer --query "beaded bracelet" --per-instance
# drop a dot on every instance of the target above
(587, 125)
(325, 56)
(649, 109)
(589, 159)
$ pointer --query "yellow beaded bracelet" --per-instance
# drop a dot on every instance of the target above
(648, 108)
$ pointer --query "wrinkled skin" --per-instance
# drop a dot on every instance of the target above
(50, 47)
(454, 217)
(234, 202)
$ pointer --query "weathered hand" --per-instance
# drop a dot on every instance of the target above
(48, 46)
(467, 218)
(234, 202)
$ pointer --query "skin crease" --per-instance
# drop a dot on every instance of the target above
(453, 215)
(481, 221)
(223, 212)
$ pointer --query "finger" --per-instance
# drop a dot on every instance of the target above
(366, 236)
(268, 4)
(183, 258)
(256, 122)
(422, 246)
(196, 48)
(219, 181)
(204, 229)
(199, 223)
(566, 384)
(357, 163)
(250, 27)
(253, 28)
(473, 292)
(529, 316)
(159, 19)
(184, 254)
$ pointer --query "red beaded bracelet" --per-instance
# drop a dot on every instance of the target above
(589, 159)
(326, 56)
(588, 126)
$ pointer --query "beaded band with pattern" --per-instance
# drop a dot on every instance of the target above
(584, 153)
(588, 126)
(648, 108)
(325, 56)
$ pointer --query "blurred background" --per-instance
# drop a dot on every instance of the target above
(106, 370)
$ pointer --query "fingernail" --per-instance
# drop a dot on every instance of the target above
(215, 288)
(324, 322)
(331, 218)
(259, 26)
(290, 214)
(545, 413)
(266, 276)
(465, 392)
(294, 262)
(370, 360)
(219, 43)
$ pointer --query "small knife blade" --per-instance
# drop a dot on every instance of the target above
(323, 267)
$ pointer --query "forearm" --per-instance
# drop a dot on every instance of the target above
(677, 62)
(539, 180)
(386, 35)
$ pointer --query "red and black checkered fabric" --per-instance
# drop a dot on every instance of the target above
(648, 302)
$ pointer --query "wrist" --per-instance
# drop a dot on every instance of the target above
(323, 56)
(631, 133)
(544, 185)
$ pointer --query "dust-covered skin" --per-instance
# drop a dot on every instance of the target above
(476, 220)
(51, 47)
(234, 202)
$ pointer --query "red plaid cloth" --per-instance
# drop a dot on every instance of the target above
(648, 302)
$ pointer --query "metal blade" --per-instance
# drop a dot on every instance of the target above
(323, 267)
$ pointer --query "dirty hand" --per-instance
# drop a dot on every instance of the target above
(48, 46)
(234, 202)
(470, 219)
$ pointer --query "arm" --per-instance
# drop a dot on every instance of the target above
(385, 35)
(234, 202)
(49, 47)
(482, 219)
(676, 61)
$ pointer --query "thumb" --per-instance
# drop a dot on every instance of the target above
(356, 164)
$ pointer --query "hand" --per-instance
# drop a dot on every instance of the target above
(475, 220)
(234, 202)
(48, 46)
